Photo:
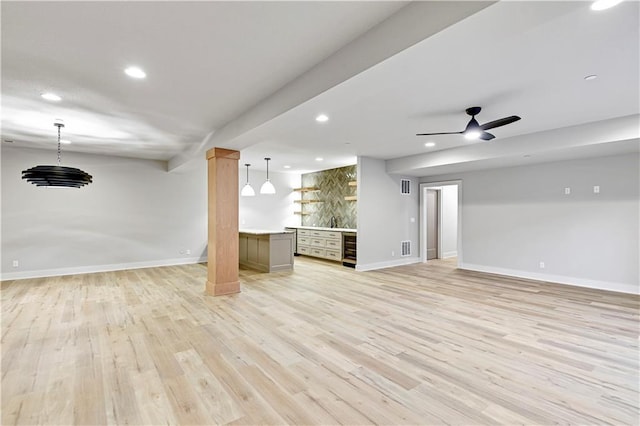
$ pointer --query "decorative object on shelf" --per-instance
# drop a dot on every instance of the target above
(247, 190)
(57, 176)
(267, 187)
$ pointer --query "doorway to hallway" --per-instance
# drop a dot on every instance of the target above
(440, 219)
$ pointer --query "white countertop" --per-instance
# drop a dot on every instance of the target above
(320, 228)
(264, 231)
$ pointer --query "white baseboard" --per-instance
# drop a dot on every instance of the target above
(387, 264)
(448, 254)
(559, 279)
(99, 268)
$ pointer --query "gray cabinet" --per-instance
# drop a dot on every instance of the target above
(324, 244)
(266, 251)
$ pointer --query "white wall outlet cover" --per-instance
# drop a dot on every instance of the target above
(596, 189)
(412, 220)
(567, 190)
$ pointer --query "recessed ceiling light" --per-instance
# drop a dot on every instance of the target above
(430, 144)
(319, 158)
(591, 77)
(286, 166)
(604, 4)
(322, 118)
(65, 141)
(51, 97)
(135, 72)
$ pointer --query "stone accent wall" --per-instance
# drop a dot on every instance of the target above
(333, 187)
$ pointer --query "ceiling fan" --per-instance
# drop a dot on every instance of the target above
(475, 130)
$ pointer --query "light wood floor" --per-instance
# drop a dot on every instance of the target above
(321, 345)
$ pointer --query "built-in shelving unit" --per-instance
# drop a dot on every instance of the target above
(354, 197)
(302, 201)
(306, 189)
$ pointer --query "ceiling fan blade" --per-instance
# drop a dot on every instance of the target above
(500, 122)
(486, 136)
(443, 133)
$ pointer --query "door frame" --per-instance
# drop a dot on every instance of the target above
(423, 217)
(438, 198)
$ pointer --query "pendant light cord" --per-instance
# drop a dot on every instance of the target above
(59, 150)
(247, 173)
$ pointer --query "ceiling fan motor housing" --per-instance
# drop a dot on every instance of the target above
(473, 111)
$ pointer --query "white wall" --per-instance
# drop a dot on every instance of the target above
(385, 217)
(448, 221)
(270, 212)
(134, 214)
(515, 218)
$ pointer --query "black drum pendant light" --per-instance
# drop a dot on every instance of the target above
(57, 176)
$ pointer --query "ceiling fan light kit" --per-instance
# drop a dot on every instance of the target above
(57, 176)
(474, 130)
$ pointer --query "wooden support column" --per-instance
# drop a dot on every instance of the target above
(223, 251)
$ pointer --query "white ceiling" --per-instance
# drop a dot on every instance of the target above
(253, 75)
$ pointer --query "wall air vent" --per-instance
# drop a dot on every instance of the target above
(405, 248)
(405, 185)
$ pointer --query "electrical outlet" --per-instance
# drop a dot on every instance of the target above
(188, 252)
(541, 265)
(393, 253)
(596, 189)
(16, 263)
(567, 191)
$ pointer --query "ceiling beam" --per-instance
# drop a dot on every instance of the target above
(536, 145)
(410, 25)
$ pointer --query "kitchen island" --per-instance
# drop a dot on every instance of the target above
(266, 250)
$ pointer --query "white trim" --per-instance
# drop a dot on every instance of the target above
(449, 254)
(43, 273)
(559, 279)
(387, 264)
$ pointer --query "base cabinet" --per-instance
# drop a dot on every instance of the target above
(324, 244)
(267, 252)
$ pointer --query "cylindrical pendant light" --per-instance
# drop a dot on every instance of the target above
(247, 190)
(267, 187)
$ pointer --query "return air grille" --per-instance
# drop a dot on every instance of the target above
(405, 186)
(405, 248)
